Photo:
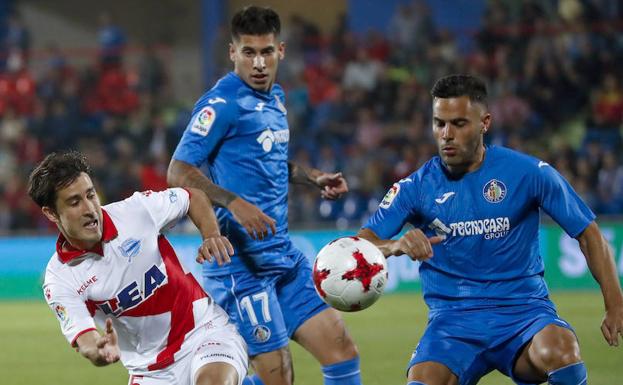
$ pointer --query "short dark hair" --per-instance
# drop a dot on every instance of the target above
(256, 21)
(454, 86)
(55, 172)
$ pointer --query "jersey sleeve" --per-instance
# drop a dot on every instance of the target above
(208, 125)
(397, 207)
(165, 207)
(556, 196)
(68, 306)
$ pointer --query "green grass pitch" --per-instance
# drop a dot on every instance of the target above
(33, 351)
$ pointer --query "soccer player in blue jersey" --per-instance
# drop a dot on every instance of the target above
(475, 212)
(239, 131)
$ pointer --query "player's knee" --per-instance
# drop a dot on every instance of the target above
(557, 355)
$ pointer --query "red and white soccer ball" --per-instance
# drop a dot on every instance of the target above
(350, 273)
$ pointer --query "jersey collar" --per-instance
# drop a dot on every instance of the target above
(109, 232)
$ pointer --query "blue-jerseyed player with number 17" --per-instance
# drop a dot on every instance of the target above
(475, 211)
(240, 132)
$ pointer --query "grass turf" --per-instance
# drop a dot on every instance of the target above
(34, 351)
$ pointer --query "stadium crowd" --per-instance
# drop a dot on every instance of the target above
(358, 104)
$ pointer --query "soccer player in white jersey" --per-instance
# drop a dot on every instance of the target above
(475, 210)
(114, 268)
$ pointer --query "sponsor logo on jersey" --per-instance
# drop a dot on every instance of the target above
(490, 228)
(133, 295)
(203, 121)
(268, 137)
(86, 284)
(260, 106)
(494, 191)
(390, 196)
(261, 333)
(442, 199)
(130, 248)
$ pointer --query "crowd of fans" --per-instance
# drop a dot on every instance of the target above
(358, 104)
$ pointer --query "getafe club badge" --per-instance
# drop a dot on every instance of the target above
(494, 191)
(130, 248)
(261, 333)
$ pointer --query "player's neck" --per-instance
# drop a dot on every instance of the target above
(72, 244)
(475, 163)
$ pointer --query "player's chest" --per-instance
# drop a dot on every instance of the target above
(130, 272)
(262, 127)
(474, 207)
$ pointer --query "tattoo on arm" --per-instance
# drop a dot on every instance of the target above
(181, 174)
(301, 175)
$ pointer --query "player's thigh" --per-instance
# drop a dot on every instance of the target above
(219, 358)
(451, 350)
(326, 338)
(553, 347)
(252, 305)
(432, 373)
(275, 367)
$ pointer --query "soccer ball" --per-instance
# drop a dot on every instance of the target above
(350, 273)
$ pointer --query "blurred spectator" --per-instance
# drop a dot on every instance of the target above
(112, 41)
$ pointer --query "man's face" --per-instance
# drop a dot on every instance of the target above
(458, 128)
(256, 58)
(78, 213)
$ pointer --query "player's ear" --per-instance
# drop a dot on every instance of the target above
(281, 50)
(232, 52)
(50, 214)
(485, 123)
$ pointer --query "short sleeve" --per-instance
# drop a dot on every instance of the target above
(211, 120)
(68, 306)
(166, 207)
(397, 207)
(556, 196)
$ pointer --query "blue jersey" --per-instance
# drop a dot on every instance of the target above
(242, 136)
(489, 219)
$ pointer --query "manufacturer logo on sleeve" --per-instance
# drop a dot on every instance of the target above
(494, 191)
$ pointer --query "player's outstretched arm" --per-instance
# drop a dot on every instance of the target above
(214, 246)
(332, 185)
(101, 350)
(257, 224)
(413, 243)
(601, 263)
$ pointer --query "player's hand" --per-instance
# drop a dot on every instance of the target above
(332, 185)
(612, 325)
(415, 244)
(107, 345)
(215, 248)
(252, 218)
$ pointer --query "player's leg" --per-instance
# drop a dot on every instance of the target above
(552, 355)
(220, 358)
(316, 327)
(252, 305)
(431, 373)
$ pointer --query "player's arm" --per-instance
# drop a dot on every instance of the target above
(214, 245)
(101, 350)
(601, 264)
(248, 215)
(413, 243)
(332, 185)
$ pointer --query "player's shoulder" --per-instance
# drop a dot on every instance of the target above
(223, 95)
(515, 160)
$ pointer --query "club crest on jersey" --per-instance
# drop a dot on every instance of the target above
(494, 191)
(203, 122)
(261, 333)
(390, 196)
(130, 248)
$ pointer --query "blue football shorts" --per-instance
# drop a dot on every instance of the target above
(268, 308)
(472, 343)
